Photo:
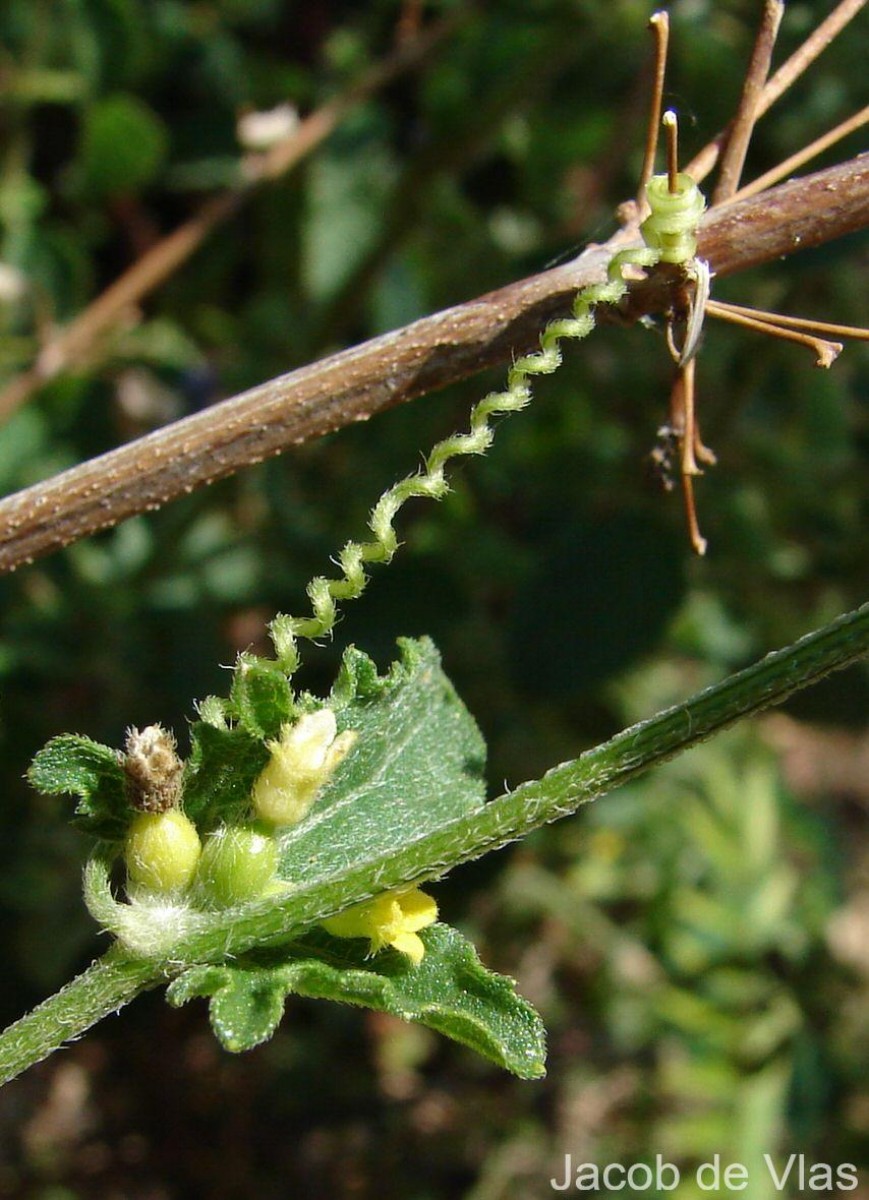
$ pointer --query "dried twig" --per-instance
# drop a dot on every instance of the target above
(399, 366)
(817, 41)
(659, 23)
(818, 146)
(73, 342)
(825, 352)
(683, 420)
(736, 146)
(784, 77)
(809, 323)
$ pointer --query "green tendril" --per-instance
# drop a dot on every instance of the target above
(681, 214)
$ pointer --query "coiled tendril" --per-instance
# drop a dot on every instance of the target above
(670, 234)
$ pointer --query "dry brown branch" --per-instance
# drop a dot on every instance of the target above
(784, 77)
(399, 366)
(72, 343)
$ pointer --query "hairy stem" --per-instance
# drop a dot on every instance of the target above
(562, 790)
(118, 977)
(107, 985)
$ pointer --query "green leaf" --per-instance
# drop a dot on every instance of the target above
(450, 991)
(246, 1005)
(123, 145)
(348, 189)
(358, 679)
(75, 765)
(261, 696)
(220, 773)
(417, 761)
(417, 764)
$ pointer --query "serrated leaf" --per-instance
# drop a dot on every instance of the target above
(77, 766)
(261, 696)
(450, 991)
(219, 774)
(246, 1003)
(417, 763)
(358, 678)
(417, 760)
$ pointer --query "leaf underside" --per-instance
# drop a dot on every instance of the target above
(450, 991)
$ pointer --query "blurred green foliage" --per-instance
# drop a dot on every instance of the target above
(676, 936)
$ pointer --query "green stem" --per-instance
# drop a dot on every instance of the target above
(560, 792)
(107, 985)
(118, 977)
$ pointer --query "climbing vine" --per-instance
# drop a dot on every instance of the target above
(287, 854)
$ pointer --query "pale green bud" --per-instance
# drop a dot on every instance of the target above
(237, 864)
(161, 851)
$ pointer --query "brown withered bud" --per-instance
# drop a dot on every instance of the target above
(152, 769)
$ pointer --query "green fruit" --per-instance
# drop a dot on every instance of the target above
(237, 864)
(161, 851)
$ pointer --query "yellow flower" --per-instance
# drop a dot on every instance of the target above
(392, 919)
(302, 760)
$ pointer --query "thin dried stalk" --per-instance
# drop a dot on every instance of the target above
(817, 41)
(819, 327)
(659, 24)
(818, 146)
(682, 401)
(825, 352)
(784, 77)
(399, 366)
(742, 126)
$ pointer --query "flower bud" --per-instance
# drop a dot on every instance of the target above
(161, 851)
(237, 864)
(302, 760)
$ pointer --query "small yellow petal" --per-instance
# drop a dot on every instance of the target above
(391, 919)
(418, 910)
(375, 919)
(411, 945)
